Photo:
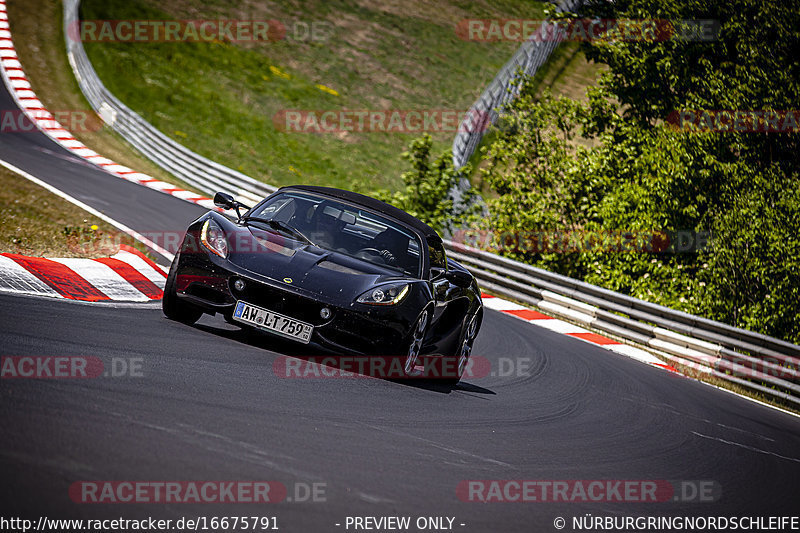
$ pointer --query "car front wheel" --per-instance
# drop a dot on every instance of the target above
(174, 308)
(415, 343)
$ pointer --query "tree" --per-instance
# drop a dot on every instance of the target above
(570, 173)
(427, 194)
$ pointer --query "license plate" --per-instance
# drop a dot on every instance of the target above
(273, 322)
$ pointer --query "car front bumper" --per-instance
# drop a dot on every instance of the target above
(351, 328)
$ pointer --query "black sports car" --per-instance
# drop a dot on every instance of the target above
(340, 270)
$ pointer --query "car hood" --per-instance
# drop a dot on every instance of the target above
(310, 269)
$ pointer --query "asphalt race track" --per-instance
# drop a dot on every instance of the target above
(206, 404)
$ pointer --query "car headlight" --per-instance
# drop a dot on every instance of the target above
(213, 238)
(387, 294)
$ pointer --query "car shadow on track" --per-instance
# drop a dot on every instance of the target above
(326, 360)
(443, 388)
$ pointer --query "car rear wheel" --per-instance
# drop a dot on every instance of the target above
(174, 308)
(415, 343)
(464, 350)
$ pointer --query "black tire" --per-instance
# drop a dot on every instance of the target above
(415, 342)
(463, 352)
(174, 308)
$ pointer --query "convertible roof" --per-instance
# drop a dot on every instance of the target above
(373, 204)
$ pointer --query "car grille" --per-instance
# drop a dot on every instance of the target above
(281, 301)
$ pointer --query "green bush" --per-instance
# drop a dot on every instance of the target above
(427, 186)
(615, 165)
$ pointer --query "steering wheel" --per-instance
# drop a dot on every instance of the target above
(368, 251)
(384, 255)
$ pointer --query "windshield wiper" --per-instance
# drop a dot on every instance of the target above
(281, 226)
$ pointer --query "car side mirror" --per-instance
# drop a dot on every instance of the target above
(459, 278)
(224, 200)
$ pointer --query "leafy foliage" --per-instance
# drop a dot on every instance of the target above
(426, 193)
(614, 166)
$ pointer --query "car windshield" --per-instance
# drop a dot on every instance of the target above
(344, 228)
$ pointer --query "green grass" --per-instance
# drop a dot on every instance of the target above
(39, 223)
(219, 99)
(39, 43)
(568, 72)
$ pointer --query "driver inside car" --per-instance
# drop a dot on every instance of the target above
(390, 244)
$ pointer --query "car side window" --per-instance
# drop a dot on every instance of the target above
(437, 255)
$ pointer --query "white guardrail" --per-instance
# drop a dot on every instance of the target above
(751, 360)
(192, 168)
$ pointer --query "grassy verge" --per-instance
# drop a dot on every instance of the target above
(40, 46)
(220, 98)
(734, 387)
(568, 72)
(39, 223)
